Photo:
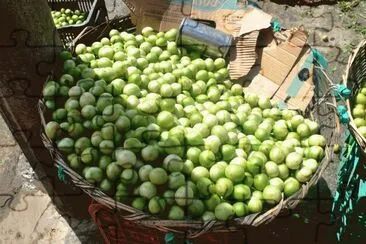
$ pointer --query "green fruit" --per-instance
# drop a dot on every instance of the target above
(199, 172)
(103, 101)
(196, 208)
(86, 99)
(205, 186)
(184, 196)
(291, 187)
(129, 177)
(303, 130)
(283, 171)
(66, 145)
(133, 144)
(147, 190)
(224, 187)
(248, 180)
(94, 175)
(235, 173)
(104, 161)
(216, 172)
(212, 202)
(293, 160)
(277, 182)
(106, 186)
(277, 155)
(361, 99)
(255, 205)
(241, 192)
(150, 153)
(169, 197)
(207, 159)
(208, 216)
(317, 140)
(176, 180)
(224, 211)
(165, 120)
(52, 130)
(144, 172)
(89, 156)
(173, 163)
(272, 194)
(176, 213)
(155, 205)
(260, 181)
(75, 162)
(106, 146)
(123, 124)
(240, 209)
(311, 164)
(125, 158)
(303, 175)
(139, 203)
(158, 176)
(81, 144)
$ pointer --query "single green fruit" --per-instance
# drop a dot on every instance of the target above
(224, 211)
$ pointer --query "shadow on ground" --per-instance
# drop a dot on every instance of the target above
(312, 3)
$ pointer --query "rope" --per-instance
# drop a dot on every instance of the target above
(276, 26)
(169, 238)
(341, 92)
(320, 58)
(343, 114)
(61, 174)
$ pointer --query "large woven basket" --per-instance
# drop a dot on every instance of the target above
(320, 109)
(355, 75)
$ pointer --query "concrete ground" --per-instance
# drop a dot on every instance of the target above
(27, 214)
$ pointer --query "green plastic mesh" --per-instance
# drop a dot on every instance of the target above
(349, 205)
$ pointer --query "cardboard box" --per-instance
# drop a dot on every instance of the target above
(271, 61)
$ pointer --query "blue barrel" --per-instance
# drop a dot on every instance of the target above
(200, 37)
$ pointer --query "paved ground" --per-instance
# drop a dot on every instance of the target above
(27, 214)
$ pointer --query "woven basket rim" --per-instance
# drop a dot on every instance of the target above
(361, 140)
(197, 227)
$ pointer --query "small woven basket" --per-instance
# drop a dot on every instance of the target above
(321, 109)
(355, 75)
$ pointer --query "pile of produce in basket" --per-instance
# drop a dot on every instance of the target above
(66, 17)
(359, 109)
(165, 130)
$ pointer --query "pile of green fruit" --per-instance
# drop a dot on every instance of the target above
(66, 17)
(160, 128)
(359, 110)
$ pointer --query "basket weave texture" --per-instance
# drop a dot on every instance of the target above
(355, 75)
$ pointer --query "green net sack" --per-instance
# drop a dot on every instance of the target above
(349, 205)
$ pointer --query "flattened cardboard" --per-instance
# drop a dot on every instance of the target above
(277, 61)
(243, 57)
(304, 90)
(280, 62)
(263, 86)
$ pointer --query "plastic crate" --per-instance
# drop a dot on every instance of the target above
(349, 204)
(96, 14)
